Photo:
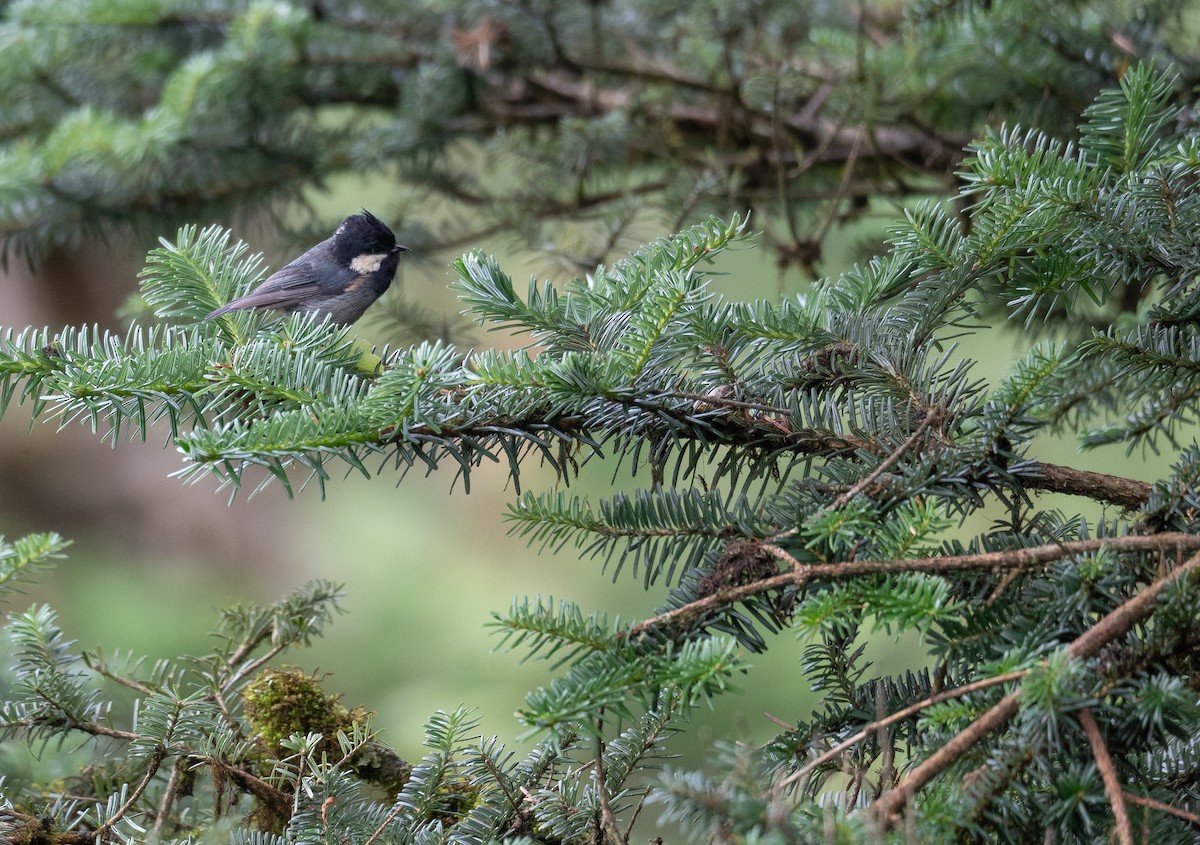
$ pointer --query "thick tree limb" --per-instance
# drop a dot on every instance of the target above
(559, 95)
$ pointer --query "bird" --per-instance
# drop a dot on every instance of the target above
(338, 279)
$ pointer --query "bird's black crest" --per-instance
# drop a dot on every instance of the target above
(364, 232)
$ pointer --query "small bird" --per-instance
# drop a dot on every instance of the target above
(339, 277)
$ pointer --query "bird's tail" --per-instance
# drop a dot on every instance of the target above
(224, 309)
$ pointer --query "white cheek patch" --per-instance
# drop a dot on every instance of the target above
(367, 263)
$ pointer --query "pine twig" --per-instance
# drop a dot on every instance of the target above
(170, 793)
(608, 820)
(92, 728)
(391, 817)
(887, 462)
(252, 667)
(637, 811)
(887, 740)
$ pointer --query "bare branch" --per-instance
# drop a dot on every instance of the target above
(1099, 486)
(170, 793)
(151, 770)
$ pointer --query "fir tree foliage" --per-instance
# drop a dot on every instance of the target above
(191, 752)
(817, 466)
(27, 555)
(122, 115)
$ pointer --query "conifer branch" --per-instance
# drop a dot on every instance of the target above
(553, 97)
(1115, 624)
(929, 420)
(152, 765)
(83, 726)
(818, 462)
(276, 799)
(908, 712)
(1098, 486)
(1191, 818)
(170, 793)
(1009, 559)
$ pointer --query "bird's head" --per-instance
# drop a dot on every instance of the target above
(365, 244)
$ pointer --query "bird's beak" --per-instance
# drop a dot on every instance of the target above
(400, 248)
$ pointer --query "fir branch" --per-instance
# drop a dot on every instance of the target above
(682, 617)
(1191, 818)
(930, 420)
(1128, 493)
(899, 716)
(135, 794)
(276, 799)
(1115, 624)
(27, 555)
(170, 793)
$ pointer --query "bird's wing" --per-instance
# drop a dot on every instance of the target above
(286, 289)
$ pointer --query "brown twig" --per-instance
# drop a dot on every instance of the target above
(178, 771)
(1007, 559)
(886, 463)
(1162, 807)
(248, 645)
(1115, 624)
(707, 399)
(637, 811)
(1098, 486)
(275, 799)
(1108, 773)
(92, 728)
(843, 185)
(608, 820)
(249, 668)
(886, 741)
(787, 726)
(101, 668)
(899, 716)
(391, 817)
(151, 770)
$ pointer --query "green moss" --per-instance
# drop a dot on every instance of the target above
(282, 702)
